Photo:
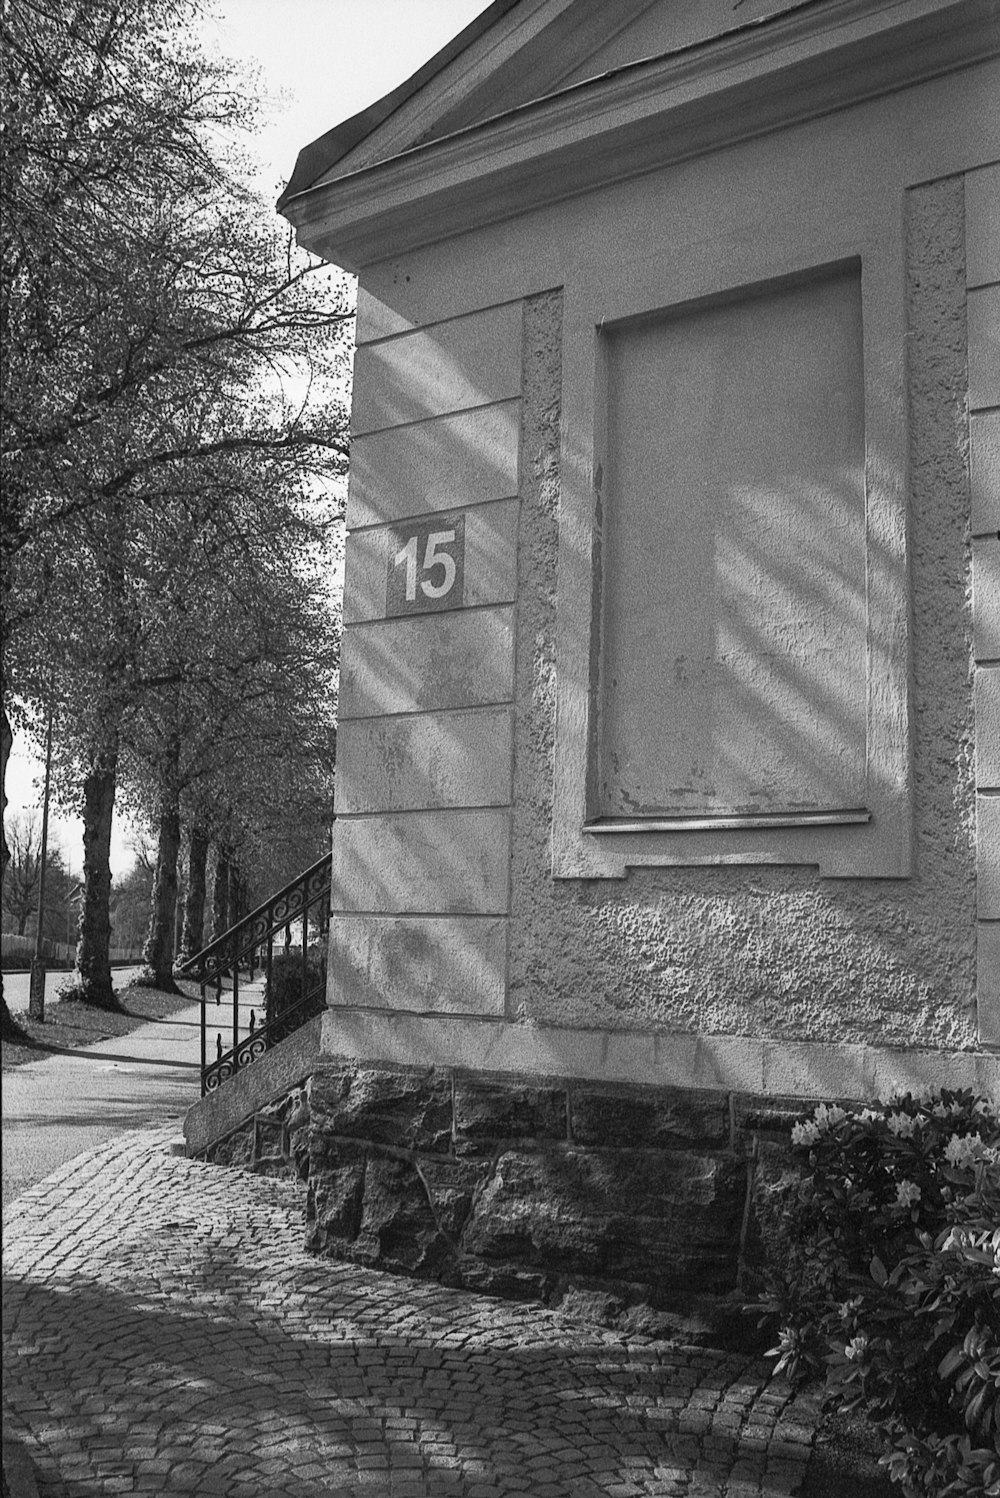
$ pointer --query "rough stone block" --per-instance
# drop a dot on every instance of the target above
(488, 571)
(398, 1229)
(982, 226)
(449, 366)
(775, 1179)
(336, 1188)
(670, 1218)
(422, 862)
(488, 1112)
(235, 1151)
(988, 857)
(983, 314)
(986, 599)
(442, 464)
(988, 727)
(647, 1117)
(984, 466)
(460, 659)
(423, 761)
(407, 1109)
(510, 1282)
(451, 1185)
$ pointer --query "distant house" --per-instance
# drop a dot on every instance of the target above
(669, 743)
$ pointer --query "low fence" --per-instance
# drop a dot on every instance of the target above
(19, 950)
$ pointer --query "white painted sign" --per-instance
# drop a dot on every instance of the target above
(426, 569)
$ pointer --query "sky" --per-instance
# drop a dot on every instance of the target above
(331, 58)
(321, 61)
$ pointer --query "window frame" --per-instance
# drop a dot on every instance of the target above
(875, 841)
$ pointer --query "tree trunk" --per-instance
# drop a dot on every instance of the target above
(179, 915)
(220, 893)
(92, 979)
(237, 896)
(193, 932)
(9, 1028)
(158, 953)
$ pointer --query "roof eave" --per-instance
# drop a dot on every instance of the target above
(798, 66)
(321, 156)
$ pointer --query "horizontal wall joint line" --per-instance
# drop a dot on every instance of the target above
(425, 915)
(432, 712)
(440, 322)
(419, 421)
(405, 520)
(420, 811)
(468, 608)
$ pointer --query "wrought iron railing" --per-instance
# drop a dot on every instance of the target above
(247, 951)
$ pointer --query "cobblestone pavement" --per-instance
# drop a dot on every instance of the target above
(166, 1333)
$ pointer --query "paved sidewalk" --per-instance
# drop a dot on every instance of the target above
(70, 1101)
(165, 1333)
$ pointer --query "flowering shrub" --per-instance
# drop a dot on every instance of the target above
(889, 1287)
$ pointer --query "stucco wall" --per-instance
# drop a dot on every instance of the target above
(450, 718)
(772, 951)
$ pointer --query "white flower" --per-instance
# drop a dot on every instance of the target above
(868, 1115)
(804, 1133)
(906, 1193)
(962, 1149)
(902, 1125)
(856, 1349)
(827, 1116)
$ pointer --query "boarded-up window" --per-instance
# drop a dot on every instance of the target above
(734, 628)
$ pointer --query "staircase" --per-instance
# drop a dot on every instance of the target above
(256, 987)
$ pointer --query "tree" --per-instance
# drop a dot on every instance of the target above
(130, 902)
(158, 333)
(20, 886)
(9, 1028)
(251, 688)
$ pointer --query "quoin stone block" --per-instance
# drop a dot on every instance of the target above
(463, 659)
(425, 760)
(464, 459)
(473, 360)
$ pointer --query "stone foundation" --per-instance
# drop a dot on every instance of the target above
(636, 1205)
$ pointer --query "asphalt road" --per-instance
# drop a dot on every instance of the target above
(56, 1108)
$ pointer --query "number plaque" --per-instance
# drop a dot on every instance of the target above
(426, 565)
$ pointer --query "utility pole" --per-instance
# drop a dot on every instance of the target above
(36, 988)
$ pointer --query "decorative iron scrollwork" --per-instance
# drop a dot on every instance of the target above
(249, 946)
(262, 1039)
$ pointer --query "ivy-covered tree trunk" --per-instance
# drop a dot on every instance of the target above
(92, 979)
(158, 953)
(9, 1028)
(193, 928)
(182, 878)
(239, 903)
(220, 892)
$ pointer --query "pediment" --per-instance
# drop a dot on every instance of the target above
(540, 100)
(514, 53)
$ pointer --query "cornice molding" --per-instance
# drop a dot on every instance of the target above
(798, 66)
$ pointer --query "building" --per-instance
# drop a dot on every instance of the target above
(669, 744)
